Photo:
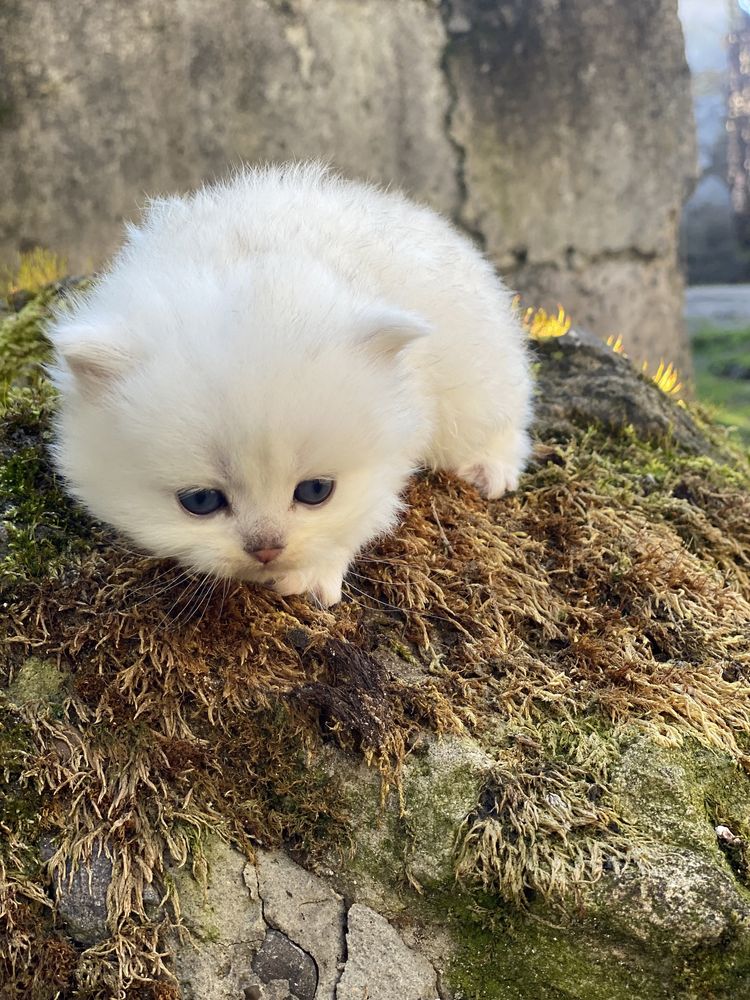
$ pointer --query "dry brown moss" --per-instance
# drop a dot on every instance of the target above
(613, 588)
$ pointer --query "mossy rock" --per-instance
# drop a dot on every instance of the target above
(523, 737)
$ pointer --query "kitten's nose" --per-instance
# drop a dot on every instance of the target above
(266, 555)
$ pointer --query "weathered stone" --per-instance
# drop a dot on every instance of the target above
(442, 779)
(280, 959)
(81, 896)
(681, 900)
(586, 387)
(379, 966)
(278, 989)
(224, 920)
(153, 98)
(575, 125)
(560, 135)
(639, 300)
(442, 784)
(305, 909)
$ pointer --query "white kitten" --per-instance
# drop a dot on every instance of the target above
(266, 363)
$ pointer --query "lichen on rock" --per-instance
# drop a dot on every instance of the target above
(514, 741)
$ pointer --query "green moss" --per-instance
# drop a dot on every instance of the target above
(402, 651)
(39, 521)
(502, 955)
(505, 954)
(722, 973)
(625, 460)
(37, 682)
(534, 626)
(39, 524)
(23, 347)
(19, 801)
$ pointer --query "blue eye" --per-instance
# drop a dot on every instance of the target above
(202, 502)
(313, 491)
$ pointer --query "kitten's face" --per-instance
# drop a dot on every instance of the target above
(219, 451)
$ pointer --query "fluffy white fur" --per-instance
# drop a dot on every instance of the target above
(286, 325)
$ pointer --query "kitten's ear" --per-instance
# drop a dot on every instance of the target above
(93, 359)
(385, 332)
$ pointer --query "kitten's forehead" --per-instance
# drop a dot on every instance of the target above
(257, 399)
(268, 461)
(250, 464)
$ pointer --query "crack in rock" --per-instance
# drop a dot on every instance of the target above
(379, 965)
(308, 912)
(280, 958)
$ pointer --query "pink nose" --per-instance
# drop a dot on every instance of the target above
(266, 555)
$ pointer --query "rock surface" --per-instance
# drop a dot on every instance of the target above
(379, 965)
(575, 125)
(559, 134)
(223, 926)
(307, 911)
(280, 960)
(511, 765)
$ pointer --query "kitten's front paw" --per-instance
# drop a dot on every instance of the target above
(324, 589)
(492, 479)
(290, 583)
(327, 590)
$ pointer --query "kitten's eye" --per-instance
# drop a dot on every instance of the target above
(314, 491)
(202, 502)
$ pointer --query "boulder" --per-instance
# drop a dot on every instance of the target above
(511, 764)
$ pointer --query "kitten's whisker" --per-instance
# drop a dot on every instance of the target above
(205, 594)
(455, 622)
(189, 595)
(196, 601)
(145, 578)
(382, 562)
(370, 597)
(214, 586)
(375, 580)
(224, 592)
(352, 599)
(159, 591)
(138, 553)
(205, 602)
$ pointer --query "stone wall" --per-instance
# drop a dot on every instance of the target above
(557, 131)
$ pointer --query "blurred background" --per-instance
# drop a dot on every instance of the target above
(560, 133)
(715, 234)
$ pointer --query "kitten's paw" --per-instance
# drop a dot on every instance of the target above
(323, 589)
(327, 590)
(290, 583)
(492, 479)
